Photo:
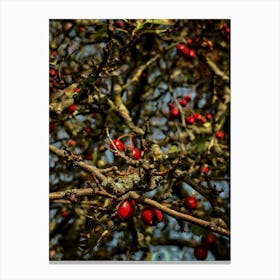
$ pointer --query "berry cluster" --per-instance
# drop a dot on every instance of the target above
(149, 215)
(201, 250)
(130, 150)
(185, 51)
(198, 118)
(174, 111)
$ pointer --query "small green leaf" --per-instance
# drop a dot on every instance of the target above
(173, 149)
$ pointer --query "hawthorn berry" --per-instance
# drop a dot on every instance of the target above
(120, 23)
(190, 202)
(187, 98)
(174, 111)
(200, 252)
(72, 108)
(136, 153)
(199, 118)
(171, 105)
(205, 169)
(119, 145)
(71, 142)
(126, 209)
(64, 213)
(151, 216)
(220, 134)
(209, 241)
(182, 48)
(192, 53)
(183, 102)
(190, 41)
(209, 116)
(52, 72)
(190, 119)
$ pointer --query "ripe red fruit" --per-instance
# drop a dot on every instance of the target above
(187, 98)
(210, 239)
(151, 216)
(190, 202)
(182, 48)
(205, 169)
(190, 41)
(64, 213)
(220, 134)
(209, 116)
(190, 119)
(200, 252)
(72, 108)
(199, 118)
(192, 53)
(71, 142)
(119, 145)
(174, 112)
(52, 72)
(136, 153)
(120, 23)
(183, 102)
(127, 209)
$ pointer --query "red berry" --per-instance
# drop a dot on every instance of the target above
(151, 216)
(182, 48)
(171, 105)
(119, 145)
(205, 169)
(120, 23)
(190, 202)
(192, 53)
(210, 240)
(183, 102)
(190, 41)
(71, 142)
(209, 116)
(72, 108)
(127, 209)
(52, 72)
(200, 252)
(136, 153)
(187, 98)
(174, 112)
(64, 213)
(199, 118)
(220, 134)
(190, 119)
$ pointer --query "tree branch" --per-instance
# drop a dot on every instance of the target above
(73, 158)
(186, 217)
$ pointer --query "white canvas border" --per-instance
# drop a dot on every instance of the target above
(24, 138)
